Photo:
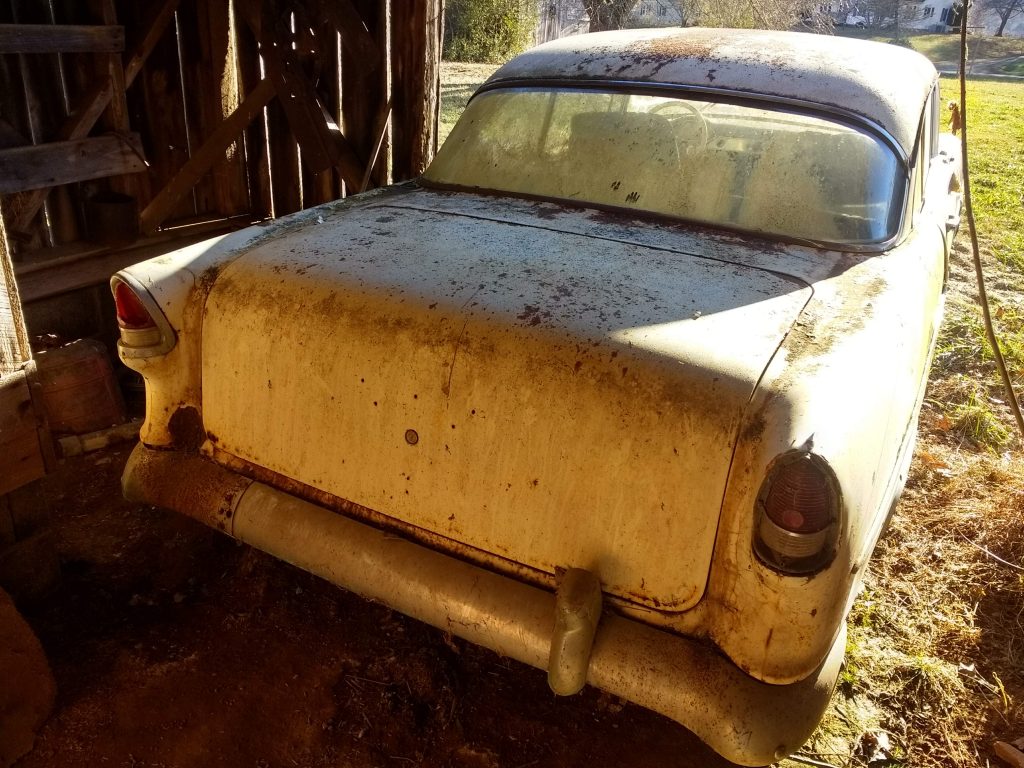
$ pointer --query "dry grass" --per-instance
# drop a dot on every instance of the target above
(458, 82)
(937, 638)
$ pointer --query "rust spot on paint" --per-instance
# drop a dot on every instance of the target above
(666, 49)
(188, 484)
(814, 334)
(755, 427)
(206, 278)
(186, 428)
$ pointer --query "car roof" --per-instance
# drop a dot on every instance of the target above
(884, 84)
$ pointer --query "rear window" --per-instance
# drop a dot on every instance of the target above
(745, 167)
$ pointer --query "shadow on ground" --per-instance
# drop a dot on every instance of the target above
(174, 646)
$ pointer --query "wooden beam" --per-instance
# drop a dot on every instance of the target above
(204, 158)
(348, 23)
(60, 38)
(323, 144)
(67, 162)
(161, 18)
(82, 120)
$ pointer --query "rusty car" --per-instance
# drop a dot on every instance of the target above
(625, 386)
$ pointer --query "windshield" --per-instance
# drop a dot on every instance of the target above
(740, 166)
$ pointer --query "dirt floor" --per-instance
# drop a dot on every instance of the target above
(172, 645)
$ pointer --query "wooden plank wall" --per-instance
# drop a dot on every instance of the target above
(244, 109)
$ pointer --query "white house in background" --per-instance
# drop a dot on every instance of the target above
(925, 15)
(933, 16)
(656, 13)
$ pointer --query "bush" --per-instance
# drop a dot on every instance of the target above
(491, 31)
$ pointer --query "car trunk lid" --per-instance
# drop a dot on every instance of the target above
(524, 396)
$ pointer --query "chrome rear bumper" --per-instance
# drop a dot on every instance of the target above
(747, 721)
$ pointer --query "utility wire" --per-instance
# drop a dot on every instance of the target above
(982, 293)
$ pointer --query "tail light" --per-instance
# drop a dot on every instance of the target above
(798, 512)
(131, 312)
(145, 332)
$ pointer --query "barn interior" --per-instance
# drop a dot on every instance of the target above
(129, 130)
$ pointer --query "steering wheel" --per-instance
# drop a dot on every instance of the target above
(690, 126)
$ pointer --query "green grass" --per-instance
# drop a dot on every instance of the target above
(943, 47)
(1013, 68)
(458, 82)
(995, 114)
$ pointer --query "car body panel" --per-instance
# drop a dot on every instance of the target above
(868, 315)
(390, 374)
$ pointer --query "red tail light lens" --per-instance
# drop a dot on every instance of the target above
(131, 312)
(145, 331)
(798, 511)
(799, 499)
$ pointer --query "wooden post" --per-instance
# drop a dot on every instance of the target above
(417, 36)
(212, 93)
(380, 163)
(166, 138)
(360, 91)
(21, 455)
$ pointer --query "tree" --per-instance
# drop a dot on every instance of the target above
(608, 14)
(893, 14)
(488, 30)
(756, 14)
(1003, 9)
